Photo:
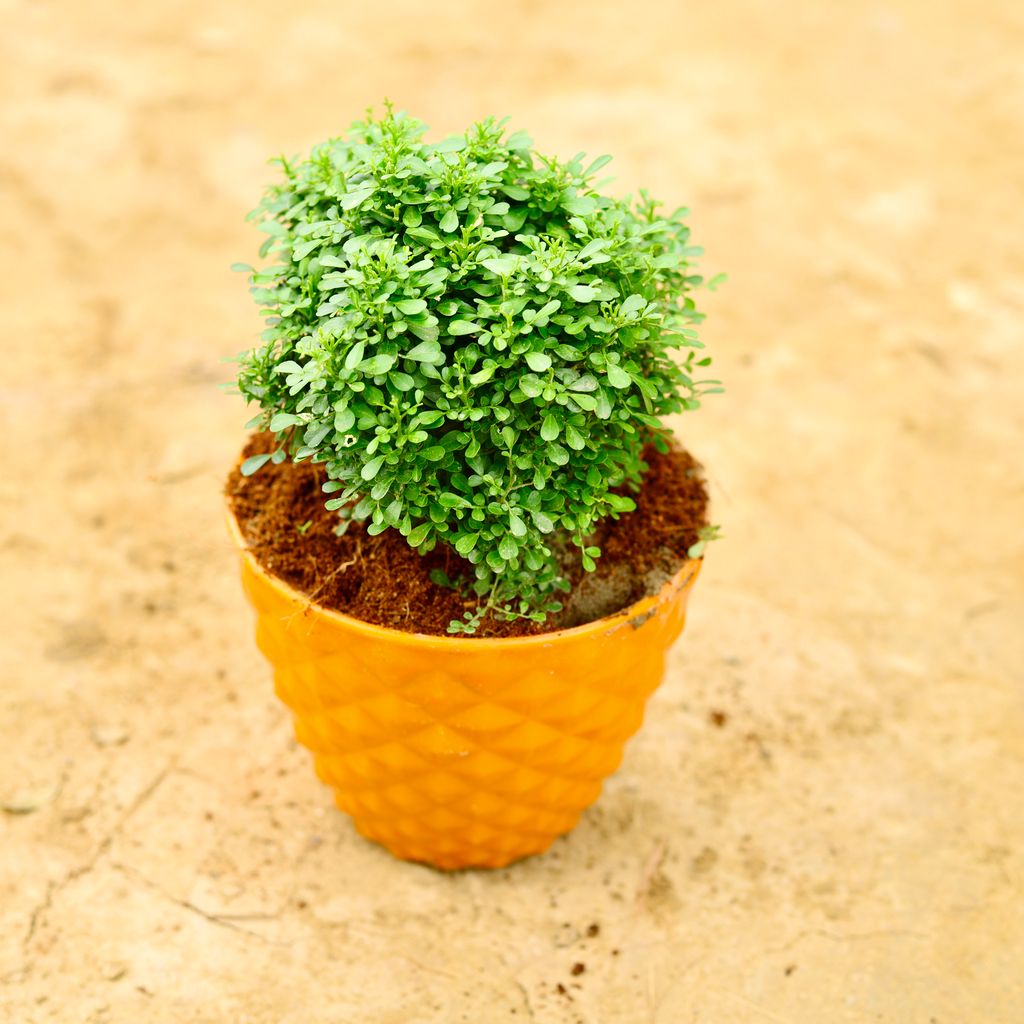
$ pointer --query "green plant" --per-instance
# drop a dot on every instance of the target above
(705, 535)
(474, 342)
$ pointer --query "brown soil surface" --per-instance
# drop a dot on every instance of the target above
(382, 580)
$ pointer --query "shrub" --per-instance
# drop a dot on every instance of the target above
(474, 342)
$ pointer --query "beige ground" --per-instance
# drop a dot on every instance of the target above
(846, 845)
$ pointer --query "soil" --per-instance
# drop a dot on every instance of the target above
(380, 579)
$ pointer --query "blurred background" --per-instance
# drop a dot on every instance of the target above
(821, 818)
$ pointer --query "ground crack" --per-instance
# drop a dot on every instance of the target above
(223, 922)
(55, 887)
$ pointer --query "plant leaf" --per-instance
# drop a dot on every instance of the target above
(372, 468)
(426, 352)
(549, 428)
(418, 535)
(617, 377)
(253, 463)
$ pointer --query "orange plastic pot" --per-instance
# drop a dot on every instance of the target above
(459, 752)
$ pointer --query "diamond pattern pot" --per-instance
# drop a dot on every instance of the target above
(459, 752)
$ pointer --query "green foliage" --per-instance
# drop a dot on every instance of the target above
(705, 535)
(473, 341)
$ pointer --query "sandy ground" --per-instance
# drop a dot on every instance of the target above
(821, 819)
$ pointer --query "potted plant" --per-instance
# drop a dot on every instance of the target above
(470, 350)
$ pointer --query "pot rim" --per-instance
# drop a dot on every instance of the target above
(635, 614)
